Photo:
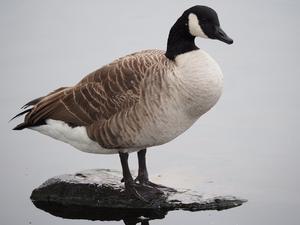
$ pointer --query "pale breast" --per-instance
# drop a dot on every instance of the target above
(195, 86)
(201, 81)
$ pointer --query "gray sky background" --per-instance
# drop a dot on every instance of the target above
(247, 145)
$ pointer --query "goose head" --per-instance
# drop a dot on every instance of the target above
(197, 21)
(203, 21)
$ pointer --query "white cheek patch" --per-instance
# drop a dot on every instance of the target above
(194, 27)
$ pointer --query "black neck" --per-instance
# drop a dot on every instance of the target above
(180, 40)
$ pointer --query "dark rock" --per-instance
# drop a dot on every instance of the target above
(99, 195)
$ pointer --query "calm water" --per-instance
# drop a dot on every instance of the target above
(247, 146)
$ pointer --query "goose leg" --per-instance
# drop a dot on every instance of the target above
(130, 185)
(142, 177)
(142, 173)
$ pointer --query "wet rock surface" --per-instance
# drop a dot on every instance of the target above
(99, 195)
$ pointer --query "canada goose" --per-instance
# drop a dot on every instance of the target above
(141, 100)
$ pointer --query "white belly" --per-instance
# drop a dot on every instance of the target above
(77, 137)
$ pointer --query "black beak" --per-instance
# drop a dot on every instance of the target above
(222, 36)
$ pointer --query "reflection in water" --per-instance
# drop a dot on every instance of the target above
(129, 216)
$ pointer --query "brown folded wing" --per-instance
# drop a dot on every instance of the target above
(101, 94)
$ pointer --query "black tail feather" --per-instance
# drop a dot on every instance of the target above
(33, 102)
(20, 114)
(21, 126)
